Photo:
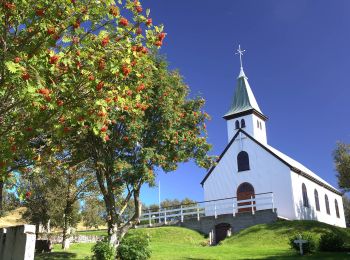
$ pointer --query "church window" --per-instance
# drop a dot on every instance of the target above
(237, 124)
(243, 161)
(305, 198)
(242, 123)
(327, 204)
(317, 201)
(336, 208)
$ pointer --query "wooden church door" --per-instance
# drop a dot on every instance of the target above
(245, 191)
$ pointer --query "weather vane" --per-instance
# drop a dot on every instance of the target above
(240, 53)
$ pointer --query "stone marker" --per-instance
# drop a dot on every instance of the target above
(300, 241)
(17, 242)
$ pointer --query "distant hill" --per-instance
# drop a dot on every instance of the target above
(13, 218)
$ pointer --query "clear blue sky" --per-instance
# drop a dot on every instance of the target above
(297, 60)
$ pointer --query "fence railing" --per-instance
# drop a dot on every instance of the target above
(214, 208)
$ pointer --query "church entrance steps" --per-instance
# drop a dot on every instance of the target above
(216, 217)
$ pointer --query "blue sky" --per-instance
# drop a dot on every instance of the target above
(297, 60)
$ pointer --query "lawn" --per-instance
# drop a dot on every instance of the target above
(266, 241)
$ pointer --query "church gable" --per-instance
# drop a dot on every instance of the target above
(292, 164)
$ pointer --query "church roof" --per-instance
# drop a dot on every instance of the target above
(291, 163)
(243, 99)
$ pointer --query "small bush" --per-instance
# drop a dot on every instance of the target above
(103, 251)
(134, 247)
(331, 242)
(308, 247)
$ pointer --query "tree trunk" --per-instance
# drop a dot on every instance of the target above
(67, 226)
(1, 196)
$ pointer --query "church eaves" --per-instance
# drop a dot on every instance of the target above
(243, 99)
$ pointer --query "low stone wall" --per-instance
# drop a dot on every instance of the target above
(238, 222)
(57, 238)
(17, 242)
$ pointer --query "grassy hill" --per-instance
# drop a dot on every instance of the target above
(13, 218)
(266, 241)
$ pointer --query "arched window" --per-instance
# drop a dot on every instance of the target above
(327, 204)
(243, 161)
(237, 124)
(305, 198)
(336, 208)
(317, 201)
(242, 123)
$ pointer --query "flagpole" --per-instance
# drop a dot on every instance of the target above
(159, 194)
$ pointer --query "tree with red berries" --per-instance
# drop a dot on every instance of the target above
(165, 127)
(62, 64)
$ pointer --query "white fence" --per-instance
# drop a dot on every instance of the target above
(261, 201)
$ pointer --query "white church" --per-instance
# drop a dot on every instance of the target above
(249, 168)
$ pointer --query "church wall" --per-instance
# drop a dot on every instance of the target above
(310, 212)
(266, 174)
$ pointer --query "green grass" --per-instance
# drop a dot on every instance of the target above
(266, 241)
(101, 232)
(76, 251)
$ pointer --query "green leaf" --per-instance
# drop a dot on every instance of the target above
(148, 11)
(12, 67)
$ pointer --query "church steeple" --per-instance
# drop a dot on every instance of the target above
(245, 112)
(243, 99)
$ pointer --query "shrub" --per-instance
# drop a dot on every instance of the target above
(134, 247)
(103, 251)
(331, 242)
(308, 247)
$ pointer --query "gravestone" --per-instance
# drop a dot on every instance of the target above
(17, 242)
(300, 241)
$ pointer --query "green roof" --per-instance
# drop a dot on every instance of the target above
(243, 99)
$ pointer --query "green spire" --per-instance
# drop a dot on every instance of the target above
(243, 99)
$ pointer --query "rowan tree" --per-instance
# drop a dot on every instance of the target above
(62, 64)
(165, 127)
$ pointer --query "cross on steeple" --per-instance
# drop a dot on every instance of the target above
(240, 53)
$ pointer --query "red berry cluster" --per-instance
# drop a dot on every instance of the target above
(160, 37)
(54, 59)
(45, 92)
(105, 41)
(123, 21)
(9, 6)
(100, 85)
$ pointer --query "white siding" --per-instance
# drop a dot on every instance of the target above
(266, 174)
(302, 212)
(251, 128)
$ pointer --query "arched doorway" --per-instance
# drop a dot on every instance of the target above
(221, 231)
(245, 191)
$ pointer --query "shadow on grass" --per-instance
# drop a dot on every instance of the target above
(55, 255)
(285, 228)
(319, 255)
